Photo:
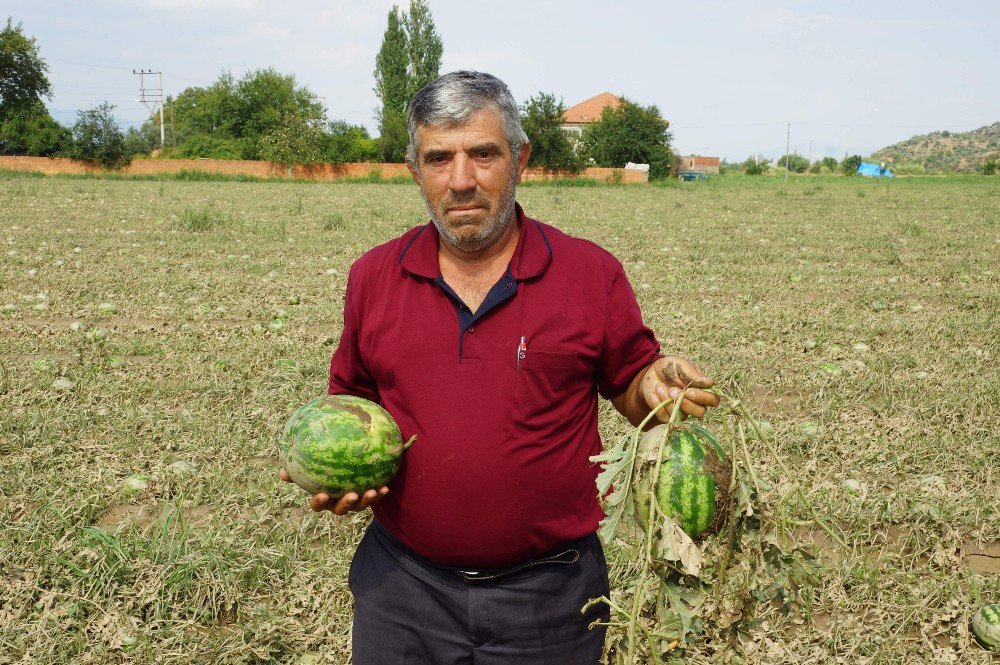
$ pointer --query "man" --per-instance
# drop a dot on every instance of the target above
(489, 335)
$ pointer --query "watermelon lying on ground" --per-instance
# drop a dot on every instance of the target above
(986, 626)
(339, 444)
(693, 483)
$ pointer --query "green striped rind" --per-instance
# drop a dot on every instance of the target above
(986, 626)
(340, 443)
(685, 490)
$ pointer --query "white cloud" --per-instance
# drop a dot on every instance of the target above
(269, 30)
(357, 17)
(344, 56)
(493, 60)
(962, 99)
(241, 5)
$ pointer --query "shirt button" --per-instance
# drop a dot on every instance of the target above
(471, 329)
(506, 287)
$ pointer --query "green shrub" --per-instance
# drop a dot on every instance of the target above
(909, 168)
(97, 136)
(796, 163)
(756, 166)
(211, 146)
(850, 164)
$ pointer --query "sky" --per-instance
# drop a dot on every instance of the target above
(848, 77)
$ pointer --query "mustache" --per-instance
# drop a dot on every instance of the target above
(463, 200)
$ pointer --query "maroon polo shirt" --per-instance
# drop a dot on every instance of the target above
(499, 471)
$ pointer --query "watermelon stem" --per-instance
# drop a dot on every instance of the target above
(654, 508)
(410, 442)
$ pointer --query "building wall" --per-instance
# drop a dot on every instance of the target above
(257, 169)
(702, 164)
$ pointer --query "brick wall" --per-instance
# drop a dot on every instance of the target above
(55, 165)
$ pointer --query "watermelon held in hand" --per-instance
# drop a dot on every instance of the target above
(693, 483)
(986, 626)
(339, 444)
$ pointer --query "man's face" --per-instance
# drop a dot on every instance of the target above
(468, 178)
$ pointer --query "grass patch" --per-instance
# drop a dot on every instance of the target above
(16, 174)
(333, 222)
(198, 220)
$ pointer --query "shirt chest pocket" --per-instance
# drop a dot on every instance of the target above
(543, 387)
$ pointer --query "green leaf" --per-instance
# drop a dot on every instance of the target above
(616, 470)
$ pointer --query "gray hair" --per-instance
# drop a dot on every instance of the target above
(452, 98)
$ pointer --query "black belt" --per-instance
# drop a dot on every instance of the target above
(568, 555)
(565, 558)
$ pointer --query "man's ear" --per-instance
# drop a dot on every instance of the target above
(522, 161)
(414, 173)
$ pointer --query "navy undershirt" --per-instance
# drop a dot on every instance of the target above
(503, 290)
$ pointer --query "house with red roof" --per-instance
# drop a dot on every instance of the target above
(575, 118)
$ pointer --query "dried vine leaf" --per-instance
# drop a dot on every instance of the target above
(613, 482)
(675, 545)
(675, 588)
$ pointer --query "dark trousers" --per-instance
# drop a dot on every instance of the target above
(408, 610)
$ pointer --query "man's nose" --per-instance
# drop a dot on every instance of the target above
(462, 177)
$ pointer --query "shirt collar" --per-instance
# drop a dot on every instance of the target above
(531, 258)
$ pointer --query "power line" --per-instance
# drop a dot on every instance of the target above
(152, 98)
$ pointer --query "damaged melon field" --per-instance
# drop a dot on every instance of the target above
(155, 336)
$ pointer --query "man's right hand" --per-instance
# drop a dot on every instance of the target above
(342, 505)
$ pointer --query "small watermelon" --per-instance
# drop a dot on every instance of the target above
(339, 444)
(986, 626)
(693, 484)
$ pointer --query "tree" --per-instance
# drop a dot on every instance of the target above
(97, 136)
(32, 131)
(392, 87)
(264, 99)
(391, 63)
(830, 164)
(408, 59)
(551, 147)
(228, 119)
(23, 73)
(629, 133)
(393, 137)
(349, 143)
(423, 46)
(294, 140)
(850, 164)
(136, 143)
(26, 127)
(198, 111)
(796, 163)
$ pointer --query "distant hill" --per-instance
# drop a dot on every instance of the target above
(947, 151)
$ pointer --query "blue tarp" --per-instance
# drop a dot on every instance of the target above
(874, 170)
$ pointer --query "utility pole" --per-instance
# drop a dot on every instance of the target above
(810, 152)
(788, 141)
(152, 98)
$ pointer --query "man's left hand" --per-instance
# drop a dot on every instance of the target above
(667, 377)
